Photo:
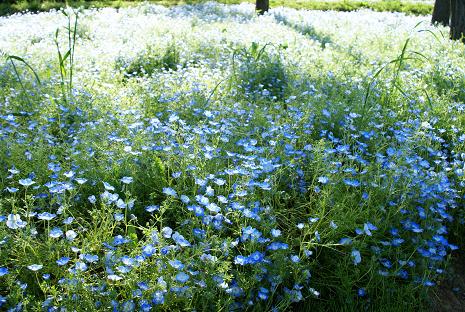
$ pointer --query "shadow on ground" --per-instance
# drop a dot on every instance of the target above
(450, 295)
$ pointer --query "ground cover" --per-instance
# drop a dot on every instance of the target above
(201, 157)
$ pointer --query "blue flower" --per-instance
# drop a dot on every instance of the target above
(176, 264)
(55, 233)
(199, 233)
(368, 227)
(263, 293)
(275, 232)
(256, 257)
(114, 277)
(176, 174)
(200, 182)
(166, 232)
(118, 217)
(123, 269)
(308, 253)
(203, 200)
(120, 240)
(68, 220)
(143, 285)
(62, 261)
(222, 199)
(403, 274)
(152, 208)
(295, 259)
(3, 271)
(317, 236)
(185, 199)
(26, 182)
(169, 191)
(128, 306)
(47, 216)
(351, 182)
(127, 180)
(199, 211)
(357, 258)
(108, 187)
(70, 235)
(180, 240)
(148, 250)
(212, 207)
(219, 182)
(121, 204)
(92, 199)
(2, 300)
(277, 246)
(241, 260)
(145, 306)
(250, 233)
(210, 191)
(89, 258)
(80, 180)
(386, 263)
(80, 266)
(128, 260)
(158, 297)
(69, 174)
(182, 277)
(323, 180)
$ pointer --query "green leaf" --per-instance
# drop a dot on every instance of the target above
(17, 58)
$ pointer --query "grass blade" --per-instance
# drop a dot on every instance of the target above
(17, 58)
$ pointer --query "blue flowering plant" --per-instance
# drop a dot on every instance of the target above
(261, 177)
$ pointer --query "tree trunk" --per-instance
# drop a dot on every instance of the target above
(441, 12)
(262, 6)
(457, 23)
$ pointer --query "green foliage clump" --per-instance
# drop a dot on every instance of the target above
(261, 72)
(150, 61)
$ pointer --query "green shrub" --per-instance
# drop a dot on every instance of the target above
(150, 61)
(261, 72)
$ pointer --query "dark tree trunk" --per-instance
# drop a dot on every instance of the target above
(457, 22)
(441, 12)
(451, 13)
(262, 6)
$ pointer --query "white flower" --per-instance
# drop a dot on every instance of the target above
(35, 267)
(70, 235)
(127, 180)
(14, 222)
(26, 182)
(114, 277)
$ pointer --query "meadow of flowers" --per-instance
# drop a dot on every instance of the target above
(201, 158)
